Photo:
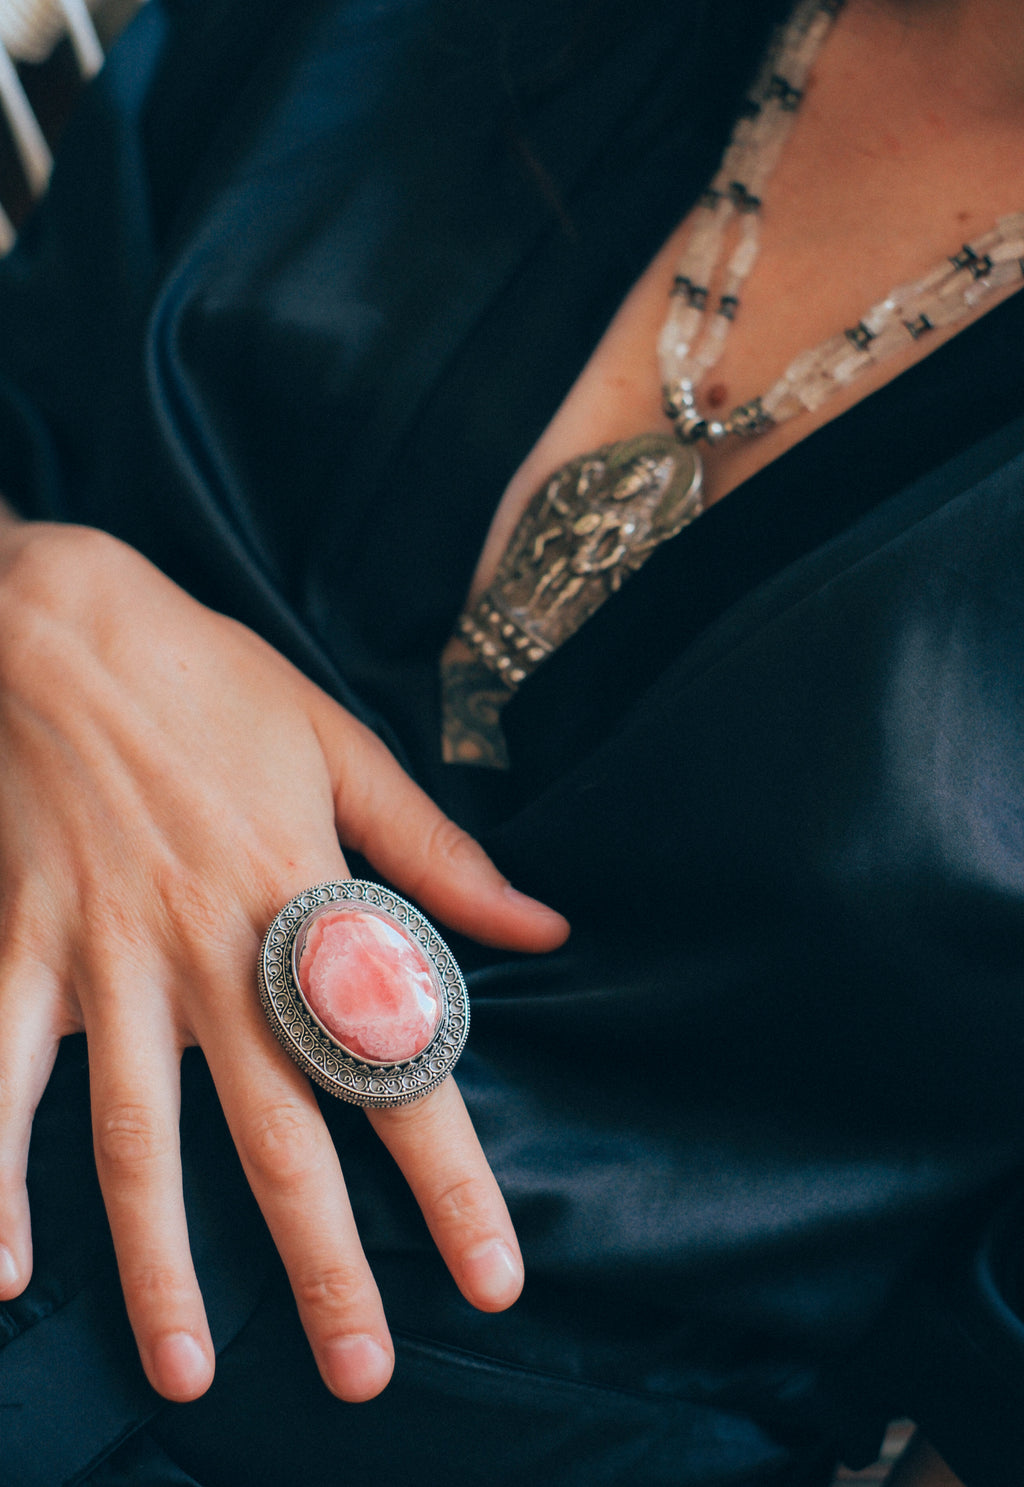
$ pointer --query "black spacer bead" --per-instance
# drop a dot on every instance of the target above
(742, 198)
(918, 327)
(694, 294)
(788, 97)
(860, 336)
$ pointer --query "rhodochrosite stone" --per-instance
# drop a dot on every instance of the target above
(370, 985)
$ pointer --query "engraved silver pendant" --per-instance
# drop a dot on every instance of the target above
(592, 524)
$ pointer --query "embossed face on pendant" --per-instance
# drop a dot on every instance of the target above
(367, 983)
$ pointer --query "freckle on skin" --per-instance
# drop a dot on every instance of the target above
(717, 394)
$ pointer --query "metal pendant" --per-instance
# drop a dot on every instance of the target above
(592, 524)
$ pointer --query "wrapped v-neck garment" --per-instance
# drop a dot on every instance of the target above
(310, 282)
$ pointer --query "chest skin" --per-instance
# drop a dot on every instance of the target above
(888, 170)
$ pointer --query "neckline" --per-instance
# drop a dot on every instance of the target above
(816, 492)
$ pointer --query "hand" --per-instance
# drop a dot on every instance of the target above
(169, 782)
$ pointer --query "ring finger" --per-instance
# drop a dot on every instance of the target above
(135, 1093)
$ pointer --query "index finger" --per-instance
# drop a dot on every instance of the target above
(384, 815)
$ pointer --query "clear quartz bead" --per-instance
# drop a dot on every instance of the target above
(675, 343)
(879, 316)
(801, 366)
(732, 283)
(833, 352)
(757, 176)
(952, 289)
(710, 348)
(814, 391)
(806, 48)
(851, 366)
(682, 325)
(781, 402)
(746, 250)
(703, 248)
(990, 240)
(892, 338)
(931, 281)
(947, 311)
(1004, 273)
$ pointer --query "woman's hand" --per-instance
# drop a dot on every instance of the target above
(168, 782)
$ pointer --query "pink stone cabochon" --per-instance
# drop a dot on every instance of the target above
(369, 983)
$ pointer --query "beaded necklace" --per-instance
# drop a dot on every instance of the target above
(692, 341)
(600, 516)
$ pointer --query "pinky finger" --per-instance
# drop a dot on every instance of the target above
(29, 1000)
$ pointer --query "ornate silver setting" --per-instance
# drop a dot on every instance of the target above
(595, 521)
(307, 1041)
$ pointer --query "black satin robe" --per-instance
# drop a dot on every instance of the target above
(311, 280)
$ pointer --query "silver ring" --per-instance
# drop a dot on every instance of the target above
(363, 993)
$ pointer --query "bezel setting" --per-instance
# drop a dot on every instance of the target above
(304, 1037)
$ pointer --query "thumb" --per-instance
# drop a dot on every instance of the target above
(389, 820)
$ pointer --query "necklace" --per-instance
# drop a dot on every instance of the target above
(599, 517)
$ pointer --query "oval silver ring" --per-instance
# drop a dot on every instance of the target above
(363, 993)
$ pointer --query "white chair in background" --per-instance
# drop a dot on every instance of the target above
(29, 31)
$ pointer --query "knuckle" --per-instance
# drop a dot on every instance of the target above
(280, 1145)
(451, 847)
(155, 1286)
(190, 907)
(28, 633)
(52, 558)
(20, 916)
(12, 1184)
(16, 1112)
(130, 1137)
(330, 1290)
(47, 574)
(462, 1204)
(192, 915)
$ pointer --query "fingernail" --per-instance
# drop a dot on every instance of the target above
(356, 1368)
(9, 1273)
(493, 1274)
(180, 1366)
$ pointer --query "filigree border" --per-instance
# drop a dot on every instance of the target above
(313, 1049)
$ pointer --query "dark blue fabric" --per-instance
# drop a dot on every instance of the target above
(290, 332)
